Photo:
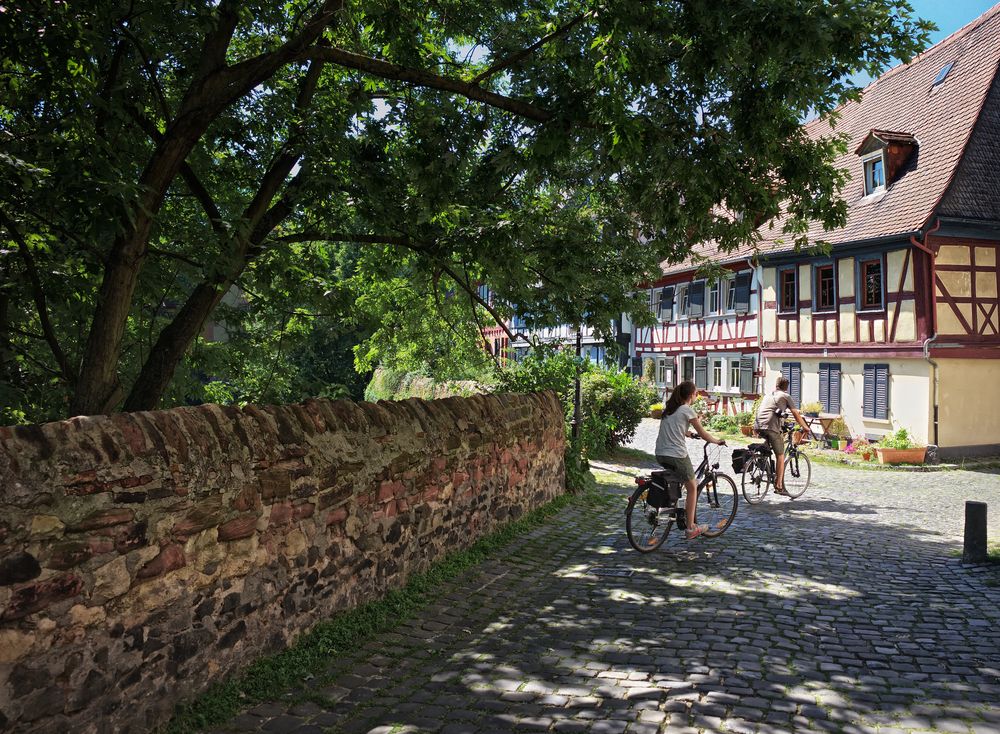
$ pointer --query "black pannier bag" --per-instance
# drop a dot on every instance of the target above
(740, 457)
(662, 493)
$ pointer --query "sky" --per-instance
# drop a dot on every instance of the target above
(948, 15)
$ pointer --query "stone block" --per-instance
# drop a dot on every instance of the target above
(40, 594)
(102, 519)
(17, 568)
(238, 527)
(170, 558)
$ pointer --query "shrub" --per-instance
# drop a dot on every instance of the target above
(812, 407)
(745, 418)
(613, 406)
(901, 439)
(723, 423)
(838, 429)
(649, 371)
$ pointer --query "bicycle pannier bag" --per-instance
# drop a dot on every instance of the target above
(739, 460)
(662, 493)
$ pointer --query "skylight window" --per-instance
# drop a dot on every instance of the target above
(943, 74)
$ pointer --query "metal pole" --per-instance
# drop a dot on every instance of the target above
(575, 425)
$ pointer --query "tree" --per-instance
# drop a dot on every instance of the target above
(156, 155)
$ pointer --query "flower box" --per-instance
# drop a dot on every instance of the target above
(901, 456)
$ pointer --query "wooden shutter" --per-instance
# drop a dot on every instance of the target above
(746, 375)
(701, 372)
(882, 391)
(696, 300)
(792, 371)
(742, 285)
(667, 304)
(824, 386)
(835, 388)
(868, 394)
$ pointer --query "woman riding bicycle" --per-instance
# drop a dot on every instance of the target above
(671, 446)
(768, 425)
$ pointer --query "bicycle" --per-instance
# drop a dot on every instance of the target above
(758, 469)
(653, 510)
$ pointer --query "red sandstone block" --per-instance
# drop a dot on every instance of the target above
(132, 433)
(103, 519)
(304, 510)
(281, 513)
(336, 516)
(247, 499)
(459, 478)
(430, 495)
(170, 558)
(87, 488)
(129, 482)
(291, 452)
(72, 553)
(274, 483)
(239, 527)
(387, 490)
(33, 597)
(391, 509)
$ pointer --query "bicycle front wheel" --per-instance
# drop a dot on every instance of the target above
(755, 481)
(798, 471)
(717, 505)
(647, 527)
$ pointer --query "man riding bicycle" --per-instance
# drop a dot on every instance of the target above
(768, 426)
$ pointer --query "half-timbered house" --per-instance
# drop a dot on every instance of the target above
(706, 330)
(897, 322)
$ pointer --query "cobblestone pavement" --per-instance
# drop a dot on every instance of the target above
(843, 611)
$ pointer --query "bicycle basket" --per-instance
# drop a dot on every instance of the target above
(740, 457)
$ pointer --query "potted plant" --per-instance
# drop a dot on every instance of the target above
(812, 409)
(656, 410)
(836, 434)
(899, 448)
(745, 422)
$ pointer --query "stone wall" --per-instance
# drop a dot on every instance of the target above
(145, 555)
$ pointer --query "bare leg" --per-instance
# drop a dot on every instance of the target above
(779, 466)
(691, 502)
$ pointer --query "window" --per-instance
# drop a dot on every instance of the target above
(792, 371)
(943, 73)
(787, 291)
(682, 301)
(730, 291)
(741, 300)
(718, 371)
(654, 301)
(876, 392)
(664, 371)
(667, 304)
(713, 296)
(701, 373)
(825, 292)
(829, 386)
(696, 300)
(734, 375)
(870, 287)
(874, 174)
(746, 375)
(687, 368)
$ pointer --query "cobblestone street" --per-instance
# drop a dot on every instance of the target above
(844, 611)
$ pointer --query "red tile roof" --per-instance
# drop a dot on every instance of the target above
(900, 106)
(941, 119)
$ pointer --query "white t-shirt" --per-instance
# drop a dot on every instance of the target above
(672, 438)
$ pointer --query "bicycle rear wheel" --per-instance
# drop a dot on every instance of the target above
(646, 527)
(717, 505)
(798, 472)
(755, 480)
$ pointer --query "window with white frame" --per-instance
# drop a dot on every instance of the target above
(663, 371)
(654, 301)
(687, 368)
(718, 373)
(713, 296)
(734, 374)
(682, 301)
(874, 173)
(730, 294)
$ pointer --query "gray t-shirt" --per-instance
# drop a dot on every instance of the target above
(672, 438)
(767, 414)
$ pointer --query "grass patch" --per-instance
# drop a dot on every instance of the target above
(269, 677)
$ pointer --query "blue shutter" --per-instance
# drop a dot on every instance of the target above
(746, 374)
(835, 388)
(882, 391)
(696, 300)
(868, 395)
(792, 371)
(701, 372)
(667, 304)
(742, 285)
(824, 386)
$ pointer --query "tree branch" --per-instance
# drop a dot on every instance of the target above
(68, 373)
(421, 78)
(524, 53)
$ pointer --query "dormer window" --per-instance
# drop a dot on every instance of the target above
(874, 174)
(884, 156)
(943, 74)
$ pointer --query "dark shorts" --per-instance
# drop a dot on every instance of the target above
(680, 465)
(775, 440)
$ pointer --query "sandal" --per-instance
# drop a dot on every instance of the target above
(695, 532)
(781, 491)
